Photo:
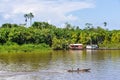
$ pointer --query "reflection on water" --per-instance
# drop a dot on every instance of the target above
(23, 61)
(104, 64)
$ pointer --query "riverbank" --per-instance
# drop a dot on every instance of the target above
(15, 48)
(37, 48)
(104, 49)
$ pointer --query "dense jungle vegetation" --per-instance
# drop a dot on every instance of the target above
(42, 35)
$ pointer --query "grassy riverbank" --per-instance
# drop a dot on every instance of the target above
(39, 48)
(110, 46)
(15, 48)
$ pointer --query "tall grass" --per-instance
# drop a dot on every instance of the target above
(15, 48)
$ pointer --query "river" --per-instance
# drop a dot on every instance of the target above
(104, 65)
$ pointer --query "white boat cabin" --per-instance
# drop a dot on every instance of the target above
(91, 46)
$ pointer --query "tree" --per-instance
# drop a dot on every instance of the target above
(4, 35)
(8, 25)
(26, 16)
(105, 24)
(29, 16)
(88, 25)
(68, 26)
(42, 25)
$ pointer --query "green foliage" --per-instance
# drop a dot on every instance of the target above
(4, 35)
(42, 25)
(8, 25)
(59, 44)
(8, 43)
(43, 35)
(13, 47)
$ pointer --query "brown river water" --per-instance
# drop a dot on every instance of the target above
(104, 65)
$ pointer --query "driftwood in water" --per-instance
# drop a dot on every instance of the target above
(79, 70)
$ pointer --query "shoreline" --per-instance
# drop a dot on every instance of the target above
(98, 49)
(104, 49)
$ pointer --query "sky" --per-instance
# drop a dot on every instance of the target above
(58, 12)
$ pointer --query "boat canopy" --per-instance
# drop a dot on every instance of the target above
(76, 44)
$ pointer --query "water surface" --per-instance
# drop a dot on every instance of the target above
(104, 64)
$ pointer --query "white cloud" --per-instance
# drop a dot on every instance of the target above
(55, 11)
(6, 16)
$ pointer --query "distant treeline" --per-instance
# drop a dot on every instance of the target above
(58, 38)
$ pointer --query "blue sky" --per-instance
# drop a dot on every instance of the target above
(58, 12)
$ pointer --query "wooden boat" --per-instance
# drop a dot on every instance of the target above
(79, 70)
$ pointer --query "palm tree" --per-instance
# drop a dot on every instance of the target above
(88, 25)
(30, 16)
(26, 16)
(105, 24)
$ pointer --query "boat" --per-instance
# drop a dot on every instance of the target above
(92, 47)
(80, 70)
(76, 46)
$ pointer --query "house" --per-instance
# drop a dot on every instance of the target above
(76, 46)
